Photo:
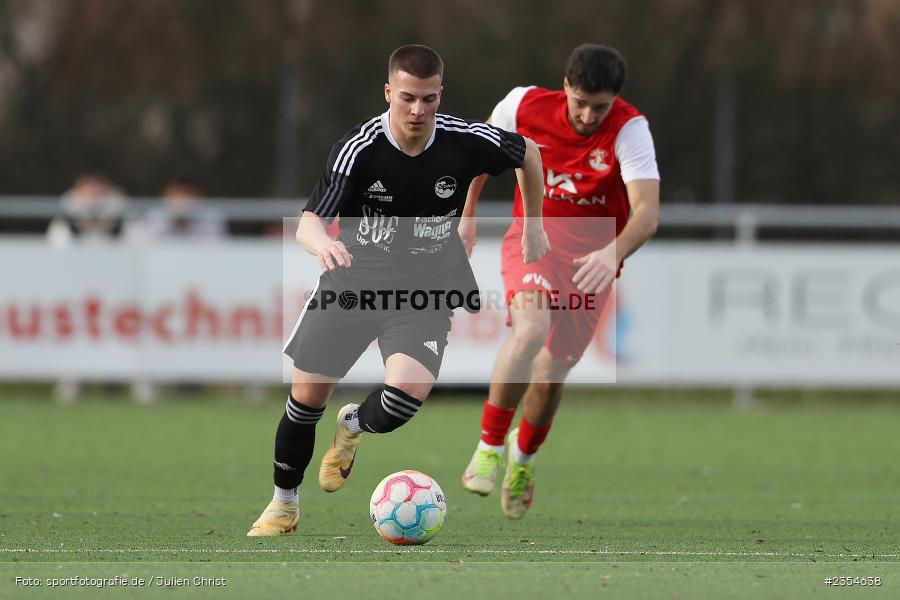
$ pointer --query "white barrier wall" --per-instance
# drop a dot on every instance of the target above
(773, 314)
(170, 312)
(699, 314)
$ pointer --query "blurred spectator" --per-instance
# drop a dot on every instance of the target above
(183, 214)
(93, 209)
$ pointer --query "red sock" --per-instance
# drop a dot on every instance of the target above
(495, 423)
(531, 437)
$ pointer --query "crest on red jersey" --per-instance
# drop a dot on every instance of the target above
(597, 159)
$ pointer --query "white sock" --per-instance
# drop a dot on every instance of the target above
(482, 445)
(520, 457)
(351, 421)
(287, 495)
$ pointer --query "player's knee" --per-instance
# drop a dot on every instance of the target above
(308, 395)
(549, 372)
(528, 337)
(547, 389)
(417, 390)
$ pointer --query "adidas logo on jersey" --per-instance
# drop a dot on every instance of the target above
(377, 191)
(432, 346)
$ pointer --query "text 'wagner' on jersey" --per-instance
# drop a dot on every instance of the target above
(399, 213)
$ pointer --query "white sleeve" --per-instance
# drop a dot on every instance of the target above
(504, 115)
(635, 152)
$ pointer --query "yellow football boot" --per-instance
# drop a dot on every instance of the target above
(518, 483)
(279, 517)
(338, 461)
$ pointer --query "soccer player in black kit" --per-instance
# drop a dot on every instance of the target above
(398, 182)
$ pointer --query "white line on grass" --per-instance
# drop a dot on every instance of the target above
(426, 550)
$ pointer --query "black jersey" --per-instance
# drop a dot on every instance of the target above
(399, 213)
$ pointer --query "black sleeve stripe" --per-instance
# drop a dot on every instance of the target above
(483, 127)
(352, 147)
(462, 122)
(513, 150)
(337, 174)
(510, 145)
(457, 120)
(490, 136)
(368, 142)
(447, 119)
(323, 199)
(480, 134)
(474, 125)
(315, 208)
(330, 204)
(487, 130)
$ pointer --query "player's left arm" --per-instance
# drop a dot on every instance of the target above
(598, 269)
(530, 176)
(634, 149)
(643, 197)
(467, 224)
(499, 150)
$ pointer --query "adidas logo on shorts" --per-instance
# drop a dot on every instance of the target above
(377, 187)
(432, 346)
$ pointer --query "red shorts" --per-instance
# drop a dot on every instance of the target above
(574, 315)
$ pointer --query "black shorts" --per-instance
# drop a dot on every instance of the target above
(335, 327)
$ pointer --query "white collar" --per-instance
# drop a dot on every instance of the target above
(386, 126)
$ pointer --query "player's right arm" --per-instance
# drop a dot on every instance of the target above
(331, 193)
(312, 236)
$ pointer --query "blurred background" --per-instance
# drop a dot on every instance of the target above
(184, 132)
(798, 98)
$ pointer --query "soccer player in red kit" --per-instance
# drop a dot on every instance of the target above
(599, 161)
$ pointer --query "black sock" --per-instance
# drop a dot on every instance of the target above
(294, 441)
(386, 409)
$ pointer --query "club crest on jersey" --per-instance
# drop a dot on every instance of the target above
(445, 187)
(597, 159)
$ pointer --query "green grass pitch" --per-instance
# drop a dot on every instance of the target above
(639, 494)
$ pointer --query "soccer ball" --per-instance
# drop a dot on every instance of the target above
(408, 508)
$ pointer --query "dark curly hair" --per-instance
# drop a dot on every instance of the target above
(594, 68)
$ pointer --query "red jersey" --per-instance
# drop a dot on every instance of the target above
(582, 174)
